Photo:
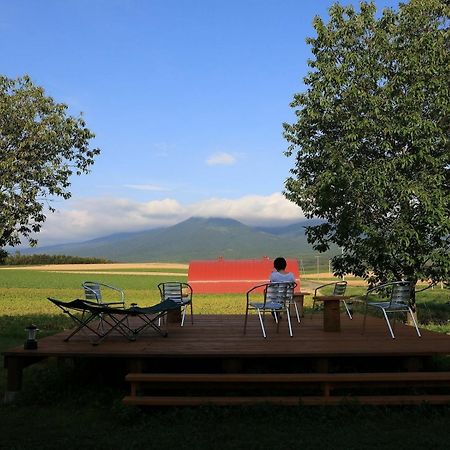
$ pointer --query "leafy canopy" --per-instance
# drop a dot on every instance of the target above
(41, 146)
(371, 141)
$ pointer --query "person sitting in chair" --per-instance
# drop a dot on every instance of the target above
(279, 275)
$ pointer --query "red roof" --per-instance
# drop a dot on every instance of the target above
(233, 275)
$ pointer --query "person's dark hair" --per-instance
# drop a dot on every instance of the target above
(279, 263)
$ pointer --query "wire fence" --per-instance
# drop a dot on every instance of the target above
(311, 264)
(321, 264)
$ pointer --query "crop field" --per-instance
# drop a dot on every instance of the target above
(57, 399)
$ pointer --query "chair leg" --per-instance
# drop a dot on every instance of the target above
(296, 311)
(262, 323)
(245, 321)
(364, 320)
(289, 321)
(414, 321)
(275, 315)
(347, 309)
(312, 308)
(388, 323)
(192, 315)
(81, 324)
(183, 315)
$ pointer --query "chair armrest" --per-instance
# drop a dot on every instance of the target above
(86, 287)
(250, 292)
(119, 291)
(322, 286)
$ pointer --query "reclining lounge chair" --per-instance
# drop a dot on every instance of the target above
(115, 318)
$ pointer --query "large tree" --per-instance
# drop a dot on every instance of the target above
(371, 141)
(41, 146)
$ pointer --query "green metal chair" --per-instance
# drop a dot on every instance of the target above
(95, 291)
(103, 294)
(339, 289)
(180, 293)
(398, 294)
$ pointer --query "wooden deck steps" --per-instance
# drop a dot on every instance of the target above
(287, 400)
(302, 388)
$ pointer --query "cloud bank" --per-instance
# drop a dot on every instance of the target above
(97, 217)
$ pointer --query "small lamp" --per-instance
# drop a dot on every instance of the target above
(31, 342)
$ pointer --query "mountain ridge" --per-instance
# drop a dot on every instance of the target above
(194, 238)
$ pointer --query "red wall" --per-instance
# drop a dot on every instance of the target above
(233, 275)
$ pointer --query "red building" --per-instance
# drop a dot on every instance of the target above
(222, 276)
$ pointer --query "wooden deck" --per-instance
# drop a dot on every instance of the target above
(216, 344)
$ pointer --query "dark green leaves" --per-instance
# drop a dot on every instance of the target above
(40, 148)
(371, 140)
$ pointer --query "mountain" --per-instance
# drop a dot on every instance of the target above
(195, 238)
(295, 230)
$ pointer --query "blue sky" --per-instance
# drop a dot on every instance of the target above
(186, 98)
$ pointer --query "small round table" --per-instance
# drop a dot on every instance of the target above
(332, 311)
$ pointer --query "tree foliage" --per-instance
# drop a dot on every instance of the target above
(38, 259)
(41, 146)
(371, 141)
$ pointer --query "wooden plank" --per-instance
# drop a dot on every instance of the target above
(287, 401)
(211, 400)
(326, 381)
(287, 377)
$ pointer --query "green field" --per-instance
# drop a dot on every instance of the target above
(63, 408)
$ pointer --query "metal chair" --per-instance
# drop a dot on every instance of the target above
(398, 294)
(276, 298)
(339, 289)
(93, 292)
(180, 293)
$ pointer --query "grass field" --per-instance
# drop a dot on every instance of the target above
(62, 408)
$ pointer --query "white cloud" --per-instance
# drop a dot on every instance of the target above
(221, 159)
(146, 187)
(250, 209)
(96, 217)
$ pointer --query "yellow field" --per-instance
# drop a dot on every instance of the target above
(107, 269)
(118, 266)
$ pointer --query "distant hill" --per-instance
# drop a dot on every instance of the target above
(295, 230)
(195, 238)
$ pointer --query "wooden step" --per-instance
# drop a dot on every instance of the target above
(287, 377)
(327, 382)
(286, 400)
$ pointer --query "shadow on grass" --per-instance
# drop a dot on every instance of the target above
(13, 327)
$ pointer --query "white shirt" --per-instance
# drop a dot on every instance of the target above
(277, 277)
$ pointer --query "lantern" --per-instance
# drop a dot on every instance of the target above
(31, 342)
